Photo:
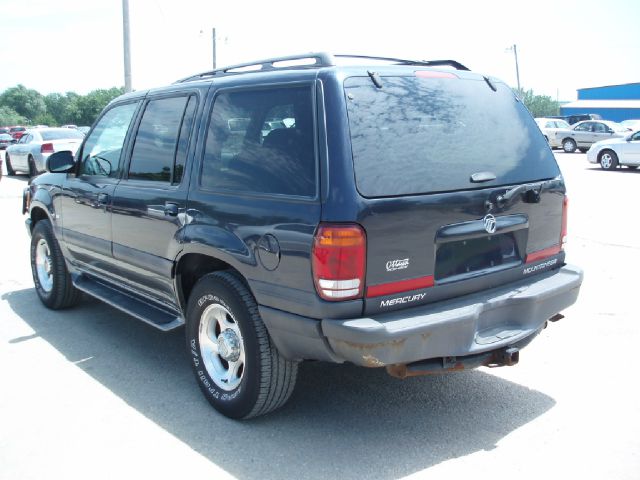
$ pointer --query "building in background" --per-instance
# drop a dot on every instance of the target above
(612, 102)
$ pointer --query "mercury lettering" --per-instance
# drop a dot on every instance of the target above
(407, 299)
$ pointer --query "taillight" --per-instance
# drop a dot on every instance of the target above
(563, 231)
(338, 260)
(46, 148)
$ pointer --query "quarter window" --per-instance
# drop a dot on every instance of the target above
(261, 141)
(158, 143)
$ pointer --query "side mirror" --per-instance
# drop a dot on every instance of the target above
(60, 162)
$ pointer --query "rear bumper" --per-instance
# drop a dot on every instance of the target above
(468, 325)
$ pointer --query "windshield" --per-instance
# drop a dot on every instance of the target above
(423, 135)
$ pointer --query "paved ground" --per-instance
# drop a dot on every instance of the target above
(91, 393)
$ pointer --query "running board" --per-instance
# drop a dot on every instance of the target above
(156, 316)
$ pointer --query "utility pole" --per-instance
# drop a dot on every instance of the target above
(214, 48)
(127, 45)
(515, 53)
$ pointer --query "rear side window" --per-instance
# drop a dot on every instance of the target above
(261, 141)
(161, 143)
(423, 135)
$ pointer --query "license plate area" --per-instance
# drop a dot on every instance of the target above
(460, 259)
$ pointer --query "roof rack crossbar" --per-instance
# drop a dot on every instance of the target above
(316, 60)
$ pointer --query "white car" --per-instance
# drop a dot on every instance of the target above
(616, 151)
(30, 154)
(549, 127)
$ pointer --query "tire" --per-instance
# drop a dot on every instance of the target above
(236, 365)
(50, 275)
(32, 167)
(569, 145)
(10, 171)
(608, 160)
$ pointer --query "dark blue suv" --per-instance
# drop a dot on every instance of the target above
(395, 213)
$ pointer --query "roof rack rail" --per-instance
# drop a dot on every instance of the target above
(402, 61)
(309, 60)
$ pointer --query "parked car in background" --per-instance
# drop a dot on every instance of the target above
(584, 134)
(84, 129)
(549, 127)
(4, 130)
(633, 124)
(578, 117)
(32, 150)
(17, 132)
(6, 140)
(70, 125)
(616, 152)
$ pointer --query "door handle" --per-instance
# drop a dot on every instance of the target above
(171, 209)
(103, 198)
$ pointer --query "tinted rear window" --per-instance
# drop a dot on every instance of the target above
(424, 135)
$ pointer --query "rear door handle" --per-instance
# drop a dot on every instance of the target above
(103, 198)
(171, 209)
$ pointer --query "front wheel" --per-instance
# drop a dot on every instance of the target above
(608, 160)
(50, 276)
(569, 145)
(237, 367)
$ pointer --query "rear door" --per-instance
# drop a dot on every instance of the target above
(460, 190)
(149, 205)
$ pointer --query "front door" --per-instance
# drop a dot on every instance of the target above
(88, 193)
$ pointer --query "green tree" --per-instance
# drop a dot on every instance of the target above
(538, 105)
(90, 105)
(26, 102)
(8, 116)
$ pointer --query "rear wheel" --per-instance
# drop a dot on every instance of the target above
(32, 167)
(608, 160)
(239, 370)
(569, 145)
(10, 170)
(50, 275)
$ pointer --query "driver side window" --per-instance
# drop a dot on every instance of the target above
(101, 154)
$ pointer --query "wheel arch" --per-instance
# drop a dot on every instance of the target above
(191, 267)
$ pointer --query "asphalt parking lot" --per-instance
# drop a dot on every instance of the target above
(91, 393)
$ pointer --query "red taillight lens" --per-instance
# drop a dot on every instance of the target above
(46, 148)
(338, 260)
(563, 231)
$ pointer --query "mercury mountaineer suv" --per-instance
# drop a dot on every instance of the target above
(384, 212)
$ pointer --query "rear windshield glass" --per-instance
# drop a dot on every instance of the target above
(62, 134)
(424, 135)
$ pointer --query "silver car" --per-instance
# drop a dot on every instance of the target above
(30, 154)
(616, 151)
(584, 134)
(549, 127)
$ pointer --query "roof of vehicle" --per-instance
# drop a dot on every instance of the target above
(309, 64)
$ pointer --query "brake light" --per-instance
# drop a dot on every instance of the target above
(400, 286)
(434, 74)
(338, 261)
(46, 148)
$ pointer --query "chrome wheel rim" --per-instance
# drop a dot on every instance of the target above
(222, 347)
(44, 267)
(606, 160)
(568, 146)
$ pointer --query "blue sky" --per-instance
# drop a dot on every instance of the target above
(76, 45)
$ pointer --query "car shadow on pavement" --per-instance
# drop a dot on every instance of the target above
(342, 421)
